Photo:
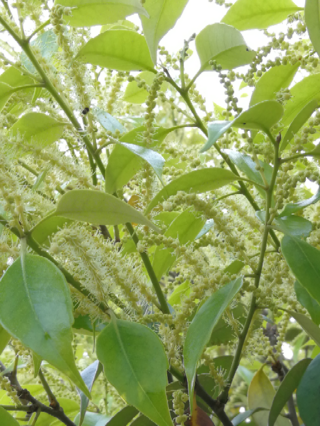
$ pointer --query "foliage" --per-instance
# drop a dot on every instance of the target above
(156, 254)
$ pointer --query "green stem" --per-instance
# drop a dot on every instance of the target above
(163, 303)
(52, 399)
(45, 24)
(293, 157)
(194, 79)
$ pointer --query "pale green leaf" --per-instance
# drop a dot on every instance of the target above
(272, 81)
(86, 13)
(92, 419)
(5, 93)
(99, 208)
(44, 319)
(108, 122)
(261, 116)
(119, 25)
(123, 417)
(201, 327)
(196, 182)
(135, 94)
(6, 419)
(206, 228)
(122, 50)
(308, 394)
(308, 302)
(163, 15)
(308, 326)
(136, 365)
(286, 389)
(183, 290)
(296, 207)
(248, 14)
(47, 45)
(48, 226)
(312, 18)
(223, 44)
(243, 416)
(14, 78)
(89, 376)
(39, 129)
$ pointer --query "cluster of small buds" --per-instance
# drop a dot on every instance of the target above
(11, 392)
(284, 95)
(169, 60)
(178, 404)
(151, 104)
(218, 375)
(115, 88)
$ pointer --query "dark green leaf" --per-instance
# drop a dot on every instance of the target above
(294, 208)
(308, 302)
(142, 421)
(308, 394)
(308, 326)
(4, 339)
(124, 416)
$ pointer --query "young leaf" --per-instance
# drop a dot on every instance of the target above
(302, 94)
(304, 262)
(163, 15)
(286, 389)
(108, 122)
(312, 18)
(136, 365)
(308, 394)
(308, 326)
(179, 293)
(86, 13)
(196, 182)
(6, 419)
(296, 207)
(272, 81)
(298, 122)
(247, 14)
(135, 94)
(223, 44)
(44, 318)
(201, 327)
(260, 395)
(122, 50)
(98, 208)
(89, 376)
(308, 302)
(39, 129)
(261, 116)
(235, 267)
(123, 417)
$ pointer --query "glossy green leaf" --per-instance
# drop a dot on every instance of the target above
(122, 50)
(223, 44)
(246, 165)
(136, 365)
(183, 290)
(135, 94)
(48, 226)
(287, 388)
(308, 326)
(4, 339)
(302, 93)
(243, 416)
(308, 394)
(304, 262)
(163, 15)
(47, 45)
(260, 395)
(39, 129)
(86, 13)
(261, 116)
(296, 207)
(294, 226)
(185, 228)
(44, 319)
(92, 419)
(196, 182)
(298, 122)
(272, 81)
(200, 329)
(308, 302)
(98, 208)
(108, 122)
(89, 376)
(6, 419)
(312, 18)
(247, 14)
(124, 416)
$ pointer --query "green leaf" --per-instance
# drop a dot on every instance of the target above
(308, 394)
(206, 228)
(223, 333)
(47, 45)
(196, 182)
(119, 25)
(223, 44)
(84, 325)
(86, 13)
(243, 416)
(312, 18)
(108, 122)
(200, 329)
(6, 419)
(272, 81)
(261, 116)
(142, 421)
(122, 50)
(70, 408)
(44, 318)
(287, 388)
(298, 122)
(308, 302)
(183, 290)
(304, 262)
(92, 419)
(163, 14)
(221, 363)
(296, 207)
(235, 267)
(39, 129)
(136, 365)
(4, 339)
(308, 326)
(135, 94)
(185, 227)
(136, 135)
(5, 93)
(124, 416)
(294, 226)
(246, 165)
(302, 93)
(89, 376)
(245, 374)
(247, 14)
(99, 208)
(14, 78)
(260, 395)
(40, 179)
(48, 226)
